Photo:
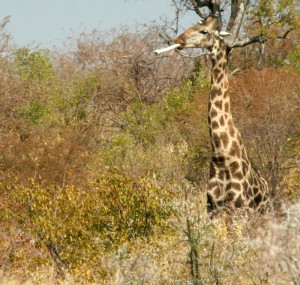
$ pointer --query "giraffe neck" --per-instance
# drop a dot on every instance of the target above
(222, 130)
(233, 181)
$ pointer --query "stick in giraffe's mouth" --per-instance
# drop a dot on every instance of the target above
(159, 51)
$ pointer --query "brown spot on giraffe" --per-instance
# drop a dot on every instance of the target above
(218, 104)
(255, 190)
(227, 175)
(215, 124)
(224, 139)
(251, 180)
(232, 131)
(258, 199)
(245, 168)
(215, 92)
(230, 123)
(221, 174)
(216, 140)
(238, 175)
(220, 55)
(246, 187)
(239, 202)
(226, 107)
(219, 160)
(251, 204)
(213, 114)
(233, 186)
(230, 195)
(222, 121)
(216, 73)
(217, 192)
(220, 78)
(235, 150)
(234, 167)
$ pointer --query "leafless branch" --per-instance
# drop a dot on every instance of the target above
(176, 20)
(235, 71)
(284, 36)
(256, 39)
(166, 38)
(3, 35)
(248, 41)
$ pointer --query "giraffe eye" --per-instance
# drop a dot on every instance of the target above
(204, 32)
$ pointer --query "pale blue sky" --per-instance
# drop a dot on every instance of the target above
(48, 23)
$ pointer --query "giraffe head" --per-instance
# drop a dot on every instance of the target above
(201, 35)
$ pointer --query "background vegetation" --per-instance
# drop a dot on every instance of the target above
(104, 160)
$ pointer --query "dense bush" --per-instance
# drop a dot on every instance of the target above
(77, 225)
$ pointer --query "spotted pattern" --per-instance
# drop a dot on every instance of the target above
(233, 182)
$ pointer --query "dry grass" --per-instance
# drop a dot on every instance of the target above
(279, 249)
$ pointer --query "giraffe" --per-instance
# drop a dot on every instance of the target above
(233, 182)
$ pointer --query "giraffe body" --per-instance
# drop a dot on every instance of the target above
(233, 182)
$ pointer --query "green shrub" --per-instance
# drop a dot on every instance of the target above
(144, 123)
(35, 111)
(77, 225)
(33, 65)
(294, 58)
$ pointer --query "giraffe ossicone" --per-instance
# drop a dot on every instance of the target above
(233, 182)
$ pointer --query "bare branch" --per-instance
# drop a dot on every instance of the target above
(284, 36)
(176, 20)
(257, 39)
(4, 22)
(234, 72)
(163, 35)
(247, 41)
(3, 35)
